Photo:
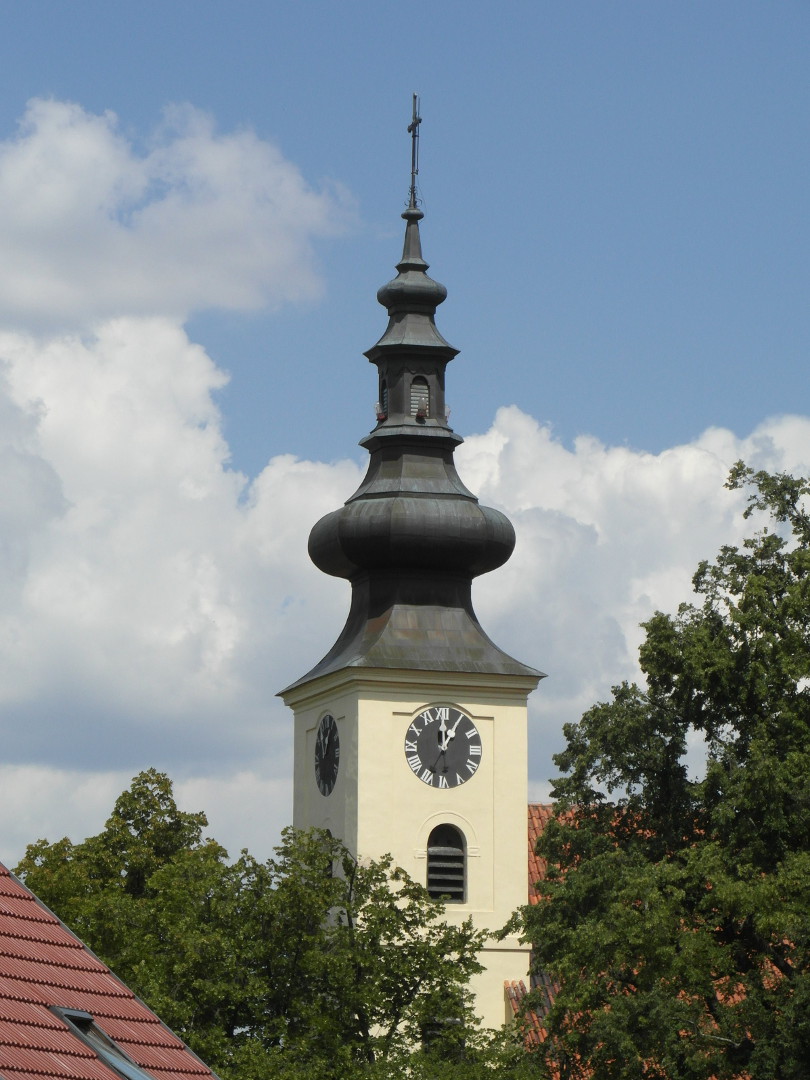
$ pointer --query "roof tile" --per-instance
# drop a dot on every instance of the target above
(20, 990)
(23, 1012)
(148, 1034)
(64, 1062)
(64, 953)
(162, 1058)
(539, 816)
(33, 1037)
(22, 907)
(43, 965)
(534, 1031)
(121, 1008)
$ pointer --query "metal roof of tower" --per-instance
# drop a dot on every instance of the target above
(412, 537)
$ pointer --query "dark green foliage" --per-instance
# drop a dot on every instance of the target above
(676, 917)
(274, 969)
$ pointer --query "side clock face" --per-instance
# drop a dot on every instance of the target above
(443, 747)
(327, 755)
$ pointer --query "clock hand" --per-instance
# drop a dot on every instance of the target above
(443, 732)
(436, 762)
(451, 734)
(442, 751)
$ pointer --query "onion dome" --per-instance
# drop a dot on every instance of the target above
(412, 537)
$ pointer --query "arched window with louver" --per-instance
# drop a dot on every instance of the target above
(420, 398)
(446, 865)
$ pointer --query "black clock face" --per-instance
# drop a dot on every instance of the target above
(443, 747)
(327, 755)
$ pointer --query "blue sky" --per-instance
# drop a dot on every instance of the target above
(615, 195)
(615, 198)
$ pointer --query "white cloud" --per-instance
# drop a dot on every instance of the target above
(154, 600)
(605, 536)
(92, 226)
(157, 600)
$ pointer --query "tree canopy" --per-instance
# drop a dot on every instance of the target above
(310, 964)
(675, 917)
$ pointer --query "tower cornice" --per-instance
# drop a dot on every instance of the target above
(421, 683)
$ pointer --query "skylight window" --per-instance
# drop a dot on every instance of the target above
(84, 1026)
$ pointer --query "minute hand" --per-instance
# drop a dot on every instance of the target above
(451, 734)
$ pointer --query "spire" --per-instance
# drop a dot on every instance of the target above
(413, 131)
(412, 297)
(412, 537)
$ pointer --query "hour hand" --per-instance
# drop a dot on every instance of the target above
(444, 735)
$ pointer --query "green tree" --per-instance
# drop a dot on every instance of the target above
(312, 963)
(675, 919)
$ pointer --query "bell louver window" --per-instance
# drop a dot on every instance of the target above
(420, 397)
(446, 865)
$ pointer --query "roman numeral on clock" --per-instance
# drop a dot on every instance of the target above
(443, 747)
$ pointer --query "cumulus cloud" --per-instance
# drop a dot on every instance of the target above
(157, 600)
(606, 536)
(93, 225)
(147, 567)
(154, 600)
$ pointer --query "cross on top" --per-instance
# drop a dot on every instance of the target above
(413, 129)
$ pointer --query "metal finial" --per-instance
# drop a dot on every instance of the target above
(413, 129)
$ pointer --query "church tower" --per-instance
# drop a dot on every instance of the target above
(411, 733)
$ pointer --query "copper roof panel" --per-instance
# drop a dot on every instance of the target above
(23, 1074)
(169, 1075)
(10, 886)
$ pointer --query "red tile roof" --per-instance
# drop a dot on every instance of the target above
(532, 1021)
(43, 964)
(534, 1031)
(539, 816)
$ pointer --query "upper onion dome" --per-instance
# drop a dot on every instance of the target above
(412, 290)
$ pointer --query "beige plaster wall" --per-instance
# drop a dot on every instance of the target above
(380, 806)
